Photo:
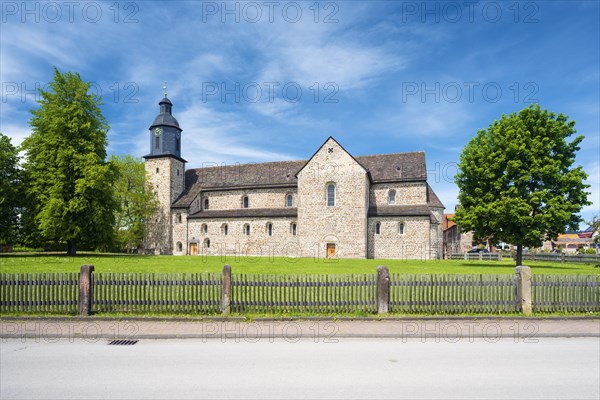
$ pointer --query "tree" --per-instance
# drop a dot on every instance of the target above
(516, 180)
(136, 203)
(10, 191)
(70, 184)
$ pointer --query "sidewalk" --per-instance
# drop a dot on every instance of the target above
(320, 329)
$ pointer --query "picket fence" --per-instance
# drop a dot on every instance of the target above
(203, 293)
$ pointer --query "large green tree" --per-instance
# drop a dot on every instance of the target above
(136, 203)
(517, 182)
(10, 191)
(70, 184)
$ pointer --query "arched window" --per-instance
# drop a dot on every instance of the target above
(207, 243)
(269, 229)
(179, 246)
(289, 200)
(224, 229)
(293, 228)
(204, 229)
(245, 202)
(247, 229)
(331, 195)
(392, 197)
(206, 204)
(401, 228)
(377, 228)
(157, 142)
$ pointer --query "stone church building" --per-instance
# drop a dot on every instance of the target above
(332, 205)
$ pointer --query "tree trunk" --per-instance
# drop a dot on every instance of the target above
(519, 254)
(71, 251)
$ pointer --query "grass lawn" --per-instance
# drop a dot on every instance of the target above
(45, 263)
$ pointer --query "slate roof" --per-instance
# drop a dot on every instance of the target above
(397, 167)
(291, 212)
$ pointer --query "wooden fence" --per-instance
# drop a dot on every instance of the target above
(57, 293)
(555, 293)
(307, 293)
(216, 292)
(551, 257)
(114, 292)
(453, 293)
(480, 256)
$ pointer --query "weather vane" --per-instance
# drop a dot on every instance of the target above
(165, 89)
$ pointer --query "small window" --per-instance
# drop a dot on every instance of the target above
(270, 229)
(206, 204)
(289, 202)
(378, 228)
(293, 228)
(401, 228)
(179, 246)
(245, 202)
(247, 229)
(204, 228)
(178, 145)
(178, 218)
(224, 229)
(392, 197)
(157, 170)
(331, 195)
(177, 171)
(207, 243)
(157, 142)
(198, 203)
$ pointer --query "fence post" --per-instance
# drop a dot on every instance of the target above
(466, 256)
(524, 289)
(85, 289)
(383, 290)
(226, 301)
(562, 258)
(499, 256)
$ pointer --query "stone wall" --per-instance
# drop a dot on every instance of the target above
(406, 193)
(344, 224)
(257, 198)
(390, 243)
(281, 242)
(166, 176)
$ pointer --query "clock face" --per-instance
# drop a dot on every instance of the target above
(157, 131)
(177, 134)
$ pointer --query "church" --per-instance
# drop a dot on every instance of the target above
(333, 205)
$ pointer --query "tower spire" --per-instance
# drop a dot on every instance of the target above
(165, 89)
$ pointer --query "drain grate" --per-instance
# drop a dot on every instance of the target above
(122, 342)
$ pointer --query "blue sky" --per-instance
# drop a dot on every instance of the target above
(268, 81)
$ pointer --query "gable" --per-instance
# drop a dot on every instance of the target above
(326, 159)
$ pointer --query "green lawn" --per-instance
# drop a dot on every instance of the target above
(192, 264)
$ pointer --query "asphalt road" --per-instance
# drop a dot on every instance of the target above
(546, 368)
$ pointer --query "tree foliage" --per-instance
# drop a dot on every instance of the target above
(135, 202)
(70, 184)
(516, 180)
(10, 191)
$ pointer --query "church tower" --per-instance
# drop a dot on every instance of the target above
(165, 171)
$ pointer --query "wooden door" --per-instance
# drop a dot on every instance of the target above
(193, 249)
(330, 250)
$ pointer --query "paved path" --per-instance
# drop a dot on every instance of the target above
(448, 329)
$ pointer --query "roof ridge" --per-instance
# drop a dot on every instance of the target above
(246, 164)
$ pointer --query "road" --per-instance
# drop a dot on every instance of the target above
(544, 368)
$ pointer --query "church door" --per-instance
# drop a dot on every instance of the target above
(193, 249)
(330, 250)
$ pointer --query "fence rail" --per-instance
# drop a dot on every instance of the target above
(39, 292)
(552, 293)
(453, 293)
(216, 292)
(476, 256)
(552, 257)
(309, 293)
(156, 292)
